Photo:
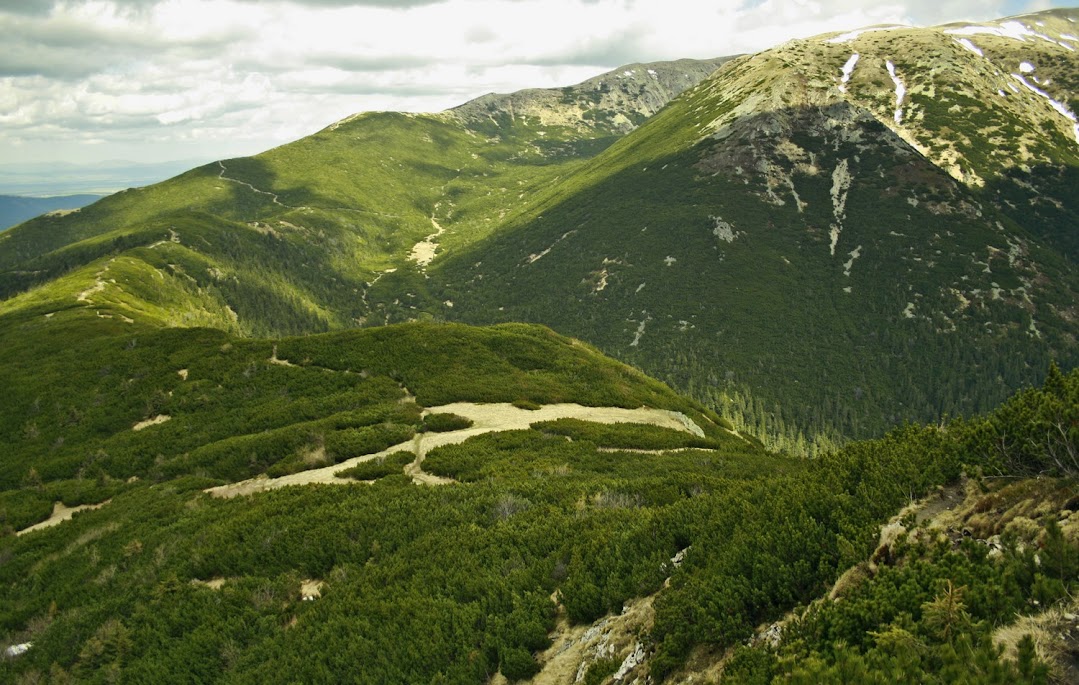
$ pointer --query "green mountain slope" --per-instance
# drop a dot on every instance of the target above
(820, 241)
(291, 239)
(398, 581)
(220, 467)
(781, 241)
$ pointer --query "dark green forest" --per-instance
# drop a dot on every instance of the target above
(455, 583)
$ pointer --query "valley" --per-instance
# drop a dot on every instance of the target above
(753, 369)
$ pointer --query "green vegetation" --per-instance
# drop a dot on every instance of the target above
(634, 436)
(236, 408)
(471, 566)
(442, 422)
(798, 271)
(766, 325)
(935, 612)
(936, 298)
(378, 468)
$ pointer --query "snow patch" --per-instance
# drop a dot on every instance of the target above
(848, 69)
(639, 288)
(640, 330)
(854, 254)
(965, 42)
(841, 180)
(723, 230)
(1055, 105)
(851, 35)
(1026, 67)
(900, 92)
(1007, 29)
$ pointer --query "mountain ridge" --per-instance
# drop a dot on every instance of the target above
(503, 503)
(774, 152)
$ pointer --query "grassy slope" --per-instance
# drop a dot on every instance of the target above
(291, 239)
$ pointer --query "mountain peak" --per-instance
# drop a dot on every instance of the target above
(616, 101)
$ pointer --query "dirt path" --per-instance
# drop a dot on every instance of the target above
(60, 513)
(272, 196)
(486, 418)
(424, 251)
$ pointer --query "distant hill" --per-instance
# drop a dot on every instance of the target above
(15, 209)
(41, 179)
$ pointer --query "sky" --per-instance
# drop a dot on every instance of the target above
(153, 80)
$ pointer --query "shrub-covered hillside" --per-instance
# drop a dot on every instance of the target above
(394, 580)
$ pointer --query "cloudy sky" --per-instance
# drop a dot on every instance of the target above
(151, 80)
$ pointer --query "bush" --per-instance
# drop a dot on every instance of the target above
(517, 664)
(600, 670)
(356, 442)
(441, 423)
(378, 468)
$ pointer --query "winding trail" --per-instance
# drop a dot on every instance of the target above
(273, 196)
(486, 418)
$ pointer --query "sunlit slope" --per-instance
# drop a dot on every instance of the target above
(291, 239)
(781, 229)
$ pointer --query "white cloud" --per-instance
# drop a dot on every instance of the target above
(224, 77)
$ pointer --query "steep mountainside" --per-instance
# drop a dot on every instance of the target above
(820, 240)
(858, 228)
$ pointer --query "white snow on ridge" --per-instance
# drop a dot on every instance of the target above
(1056, 105)
(848, 69)
(851, 35)
(900, 92)
(1026, 67)
(1008, 29)
(965, 42)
